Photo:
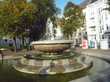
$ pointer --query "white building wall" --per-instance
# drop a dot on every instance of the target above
(97, 22)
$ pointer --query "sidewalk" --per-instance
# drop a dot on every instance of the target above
(103, 54)
(12, 55)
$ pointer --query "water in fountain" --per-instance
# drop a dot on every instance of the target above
(59, 34)
(52, 33)
(49, 30)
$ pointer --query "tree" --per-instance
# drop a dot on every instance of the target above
(73, 19)
(108, 6)
(20, 18)
(16, 17)
(46, 9)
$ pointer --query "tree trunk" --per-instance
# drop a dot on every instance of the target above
(15, 46)
(22, 42)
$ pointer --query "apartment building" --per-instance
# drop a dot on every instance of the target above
(97, 19)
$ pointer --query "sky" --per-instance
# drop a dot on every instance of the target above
(61, 3)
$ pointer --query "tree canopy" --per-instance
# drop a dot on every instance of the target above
(73, 19)
(16, 17)
(46, 9)
(22, 18)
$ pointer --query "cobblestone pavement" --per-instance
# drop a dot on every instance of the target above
(103, 54)
(101, 76)
(12, 55)
(93, 51)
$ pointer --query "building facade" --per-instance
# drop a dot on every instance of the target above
(97, 19)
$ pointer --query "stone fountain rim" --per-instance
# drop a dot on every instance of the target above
(52, 42)
(85, 67)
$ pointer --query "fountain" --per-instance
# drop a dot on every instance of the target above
(51, 57)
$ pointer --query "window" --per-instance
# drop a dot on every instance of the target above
(109, 36)
(100, 29)
(92, 27)
(95, 37)
(102, 36)
(107, 27)
(92, 18)
(79, 33)
(100, 21)
(106, 17)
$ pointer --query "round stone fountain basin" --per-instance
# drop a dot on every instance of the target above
(51, 67)
(52, 46)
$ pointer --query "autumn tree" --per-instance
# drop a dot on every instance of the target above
(16, 17)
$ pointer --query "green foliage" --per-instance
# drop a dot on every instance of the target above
(20, 18)
(46, 9)
(73, 19)
(109, 5)
(15, 17)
